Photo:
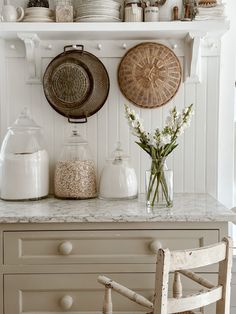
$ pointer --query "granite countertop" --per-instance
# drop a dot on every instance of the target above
(187, 208)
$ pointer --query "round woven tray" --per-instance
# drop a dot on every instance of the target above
(149, 75)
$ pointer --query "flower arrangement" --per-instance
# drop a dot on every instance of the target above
(158, 146)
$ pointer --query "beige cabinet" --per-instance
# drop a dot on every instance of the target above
(49, 269)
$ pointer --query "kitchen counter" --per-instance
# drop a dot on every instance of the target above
(187, 208)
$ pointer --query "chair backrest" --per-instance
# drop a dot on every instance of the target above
(180, 262)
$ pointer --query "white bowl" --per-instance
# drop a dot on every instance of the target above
(93, 12)
(97, 18)
(99, 3)
(38, 19)
(39, 12)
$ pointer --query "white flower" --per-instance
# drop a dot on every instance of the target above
(165, 139)
(176, 123)
(180, 131)
(151, 140)
(133, 112)
(187, 124)
(179, 120)
(170, 121)
(134, 132)
(134, 124)
(185, 110)
(141, 128)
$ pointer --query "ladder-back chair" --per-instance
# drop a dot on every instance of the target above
(180, 263)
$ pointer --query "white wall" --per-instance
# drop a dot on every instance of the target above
(226, 111)
(194, 161)
(203, 162)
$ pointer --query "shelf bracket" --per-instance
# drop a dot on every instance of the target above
(193, 57)
(32, 41)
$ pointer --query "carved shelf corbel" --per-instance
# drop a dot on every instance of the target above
(32, 41)
(193, 56)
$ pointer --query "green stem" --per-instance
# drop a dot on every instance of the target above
(156, 195)
(165, 190)
(150, 185)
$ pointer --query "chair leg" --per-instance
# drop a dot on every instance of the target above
(107, 304)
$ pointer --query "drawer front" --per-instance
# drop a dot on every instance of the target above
(116, 246)
(46, 293)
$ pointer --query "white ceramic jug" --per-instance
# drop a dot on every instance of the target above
(11, 14)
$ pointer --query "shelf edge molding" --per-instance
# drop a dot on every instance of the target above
(32, 41)
(191, 34)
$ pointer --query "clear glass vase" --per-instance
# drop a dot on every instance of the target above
(159, 185)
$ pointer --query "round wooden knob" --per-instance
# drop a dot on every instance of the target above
(65, 248)
(154, 246)
(66, 302)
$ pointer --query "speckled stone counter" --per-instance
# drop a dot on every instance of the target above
(187, 208)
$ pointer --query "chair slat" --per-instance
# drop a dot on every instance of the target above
(190, 259)
(201, 281)
(194, 301)
(130, 294)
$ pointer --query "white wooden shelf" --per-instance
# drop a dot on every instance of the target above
(190, 32)
(106, 31)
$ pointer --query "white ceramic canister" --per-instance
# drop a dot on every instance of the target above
(133, 11)
(166, 10)
(151, 14)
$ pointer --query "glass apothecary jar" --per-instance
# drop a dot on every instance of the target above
(75, 173)
(118, 178)
(133, 11)
(24, 161)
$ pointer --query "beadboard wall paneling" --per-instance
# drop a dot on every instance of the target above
(195, 160)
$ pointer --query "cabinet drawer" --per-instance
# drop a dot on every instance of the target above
(44, 293)
(116, 246)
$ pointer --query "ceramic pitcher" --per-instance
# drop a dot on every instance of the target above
(11, 14)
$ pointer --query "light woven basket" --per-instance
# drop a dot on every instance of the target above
(149, 75)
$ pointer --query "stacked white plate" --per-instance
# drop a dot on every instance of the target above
(98, 11)
(39, 14)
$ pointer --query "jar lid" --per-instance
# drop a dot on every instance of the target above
(118, 154)
(75, 139)
(24, 121)
(132, 1)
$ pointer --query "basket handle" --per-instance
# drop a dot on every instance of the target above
(75, 47)
(74, 120)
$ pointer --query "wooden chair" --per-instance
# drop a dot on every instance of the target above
(180, 262)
